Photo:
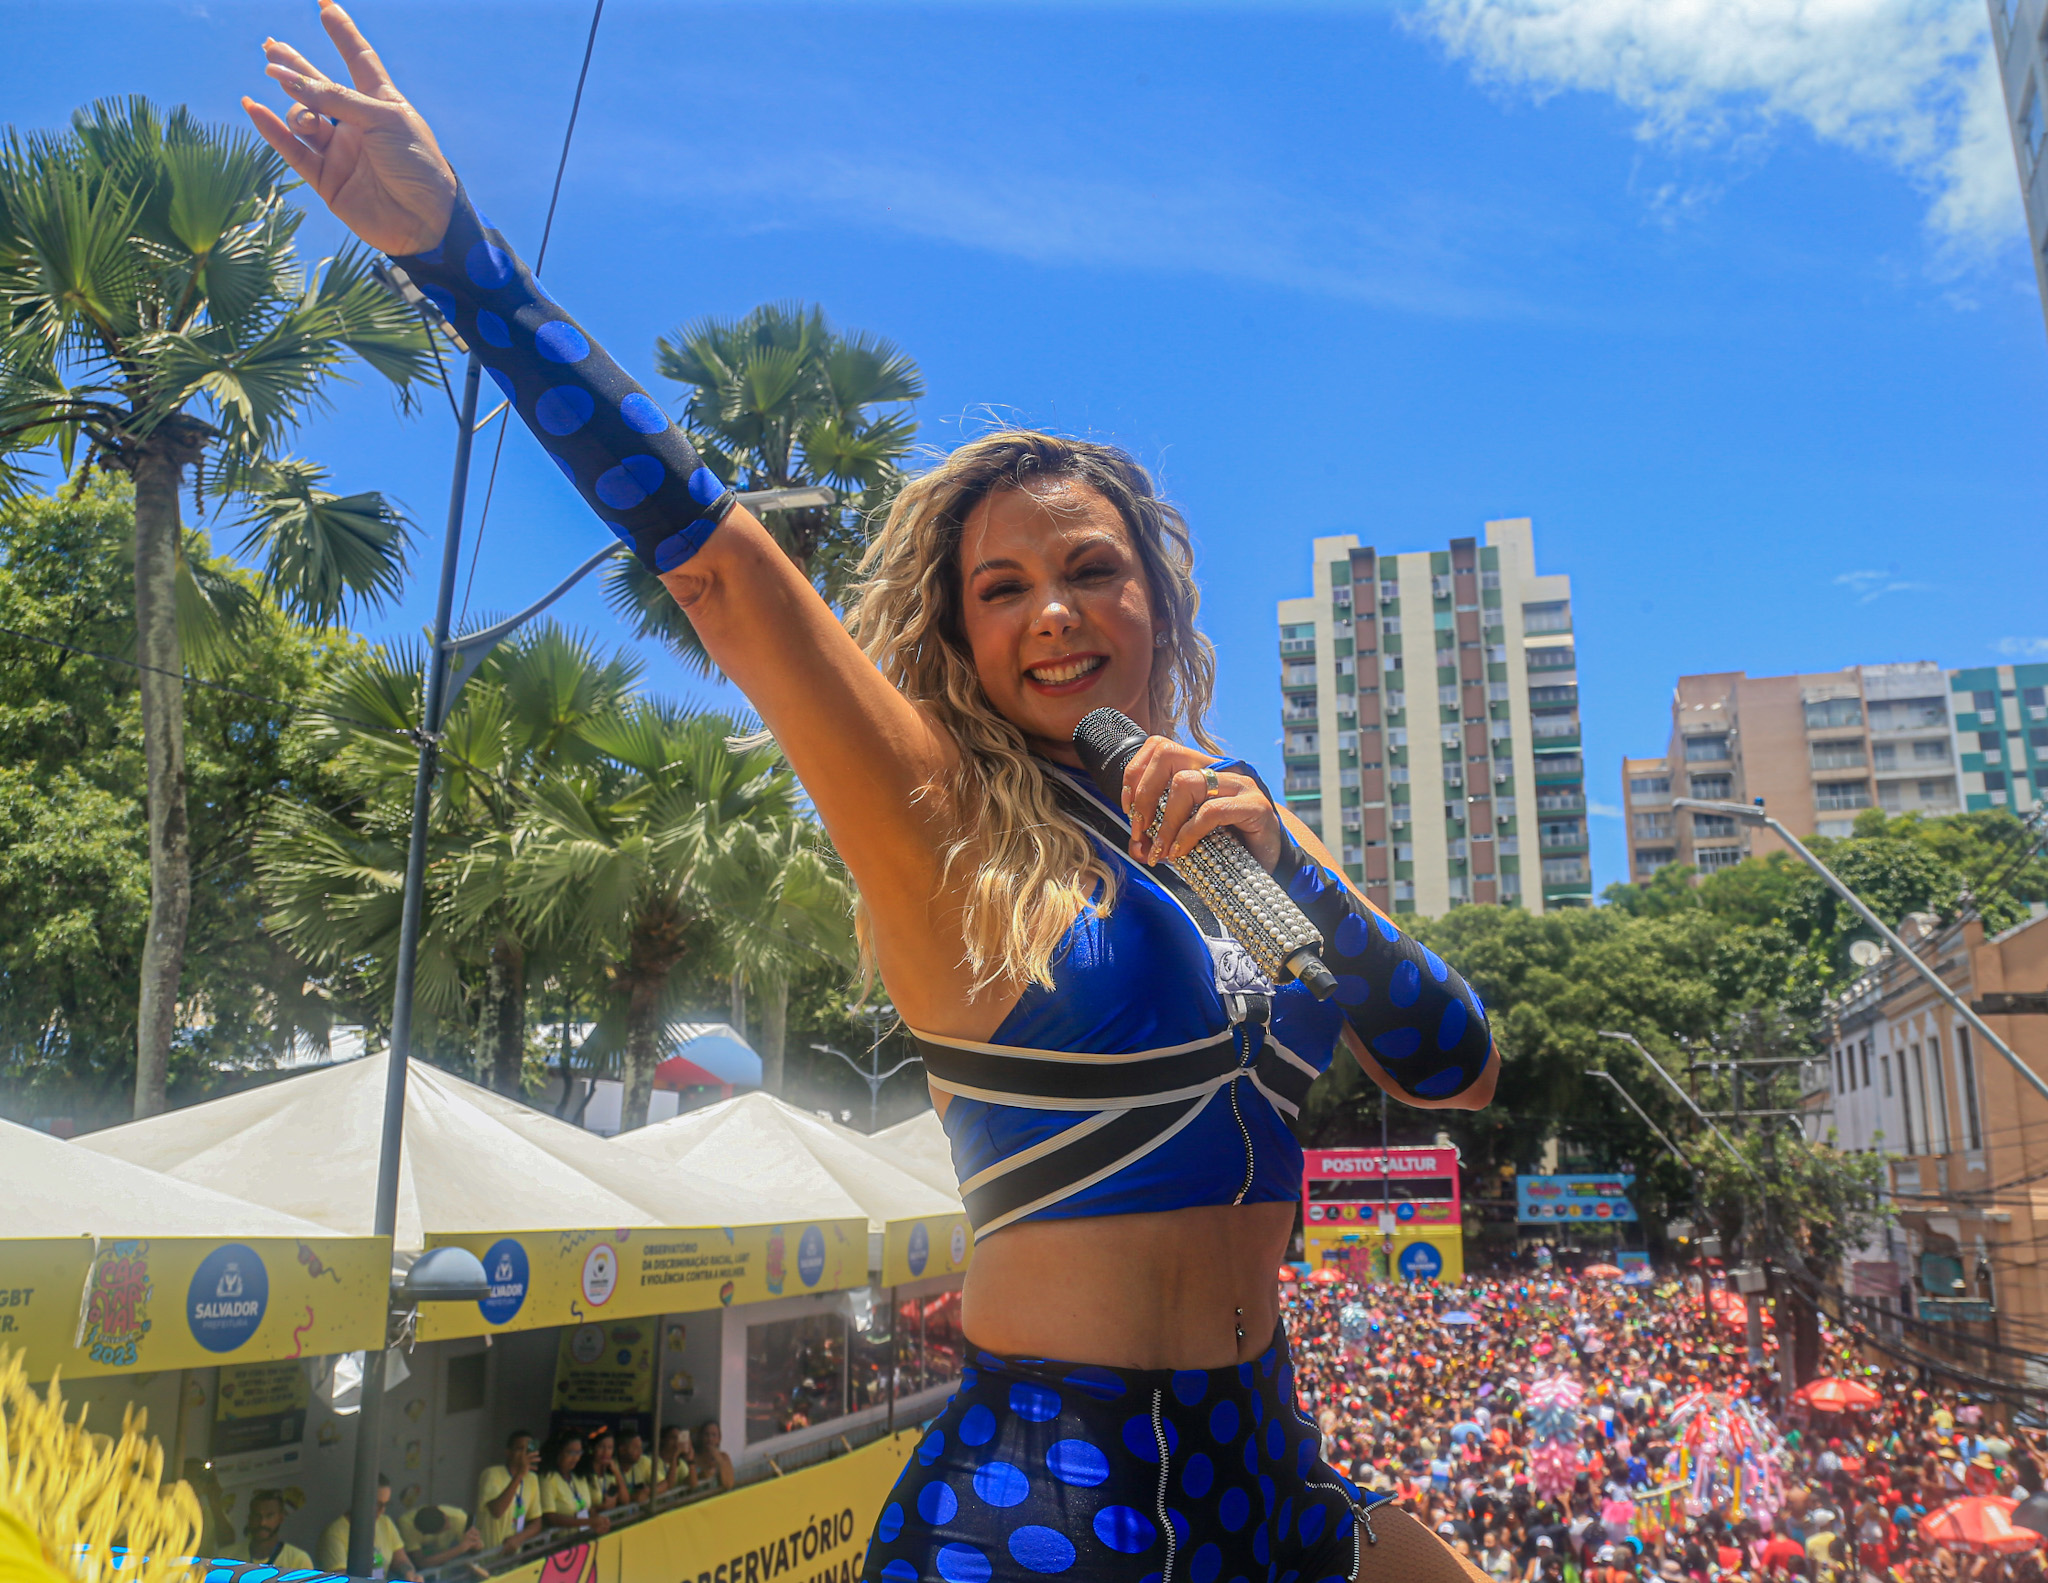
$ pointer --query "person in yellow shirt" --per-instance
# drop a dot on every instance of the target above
(264, 1540)
(387, 1549)
(565, 1497)
(676, 1457)
(436, 1535)
(638, 1477)
(508, 1509)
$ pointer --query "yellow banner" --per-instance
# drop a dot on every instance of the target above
(810, 1527)
(1421, 1253)
(935, 1245)
(544, 1278)
(181, 1302)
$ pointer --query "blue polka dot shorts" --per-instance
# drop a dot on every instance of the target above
(1042, 1469)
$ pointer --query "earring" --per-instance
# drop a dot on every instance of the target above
(1159, 640)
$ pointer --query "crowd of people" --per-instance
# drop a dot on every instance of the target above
(1562, 1430)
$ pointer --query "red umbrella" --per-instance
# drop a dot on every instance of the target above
(1325, 1276)
(1601, 1272)
(1837, 1396)
(1978, 1522)
(1289, 1273)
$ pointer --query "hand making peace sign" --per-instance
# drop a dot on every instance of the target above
(363, 149)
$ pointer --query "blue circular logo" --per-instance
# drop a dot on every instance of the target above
(229, 1292)
(810, 1256)
(1420, 1262)
(920, 1248)
(505, 1269)
(1405, 1212)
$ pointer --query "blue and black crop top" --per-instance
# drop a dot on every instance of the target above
(1161, 1068)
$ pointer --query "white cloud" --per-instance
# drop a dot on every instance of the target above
(2022, 648)
(1868, 585)
(1601, 810)
(1910, 82)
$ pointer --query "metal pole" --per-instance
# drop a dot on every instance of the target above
(1630, 1100)
(1678, 1088)
(362, 1522)
(1962, 1007)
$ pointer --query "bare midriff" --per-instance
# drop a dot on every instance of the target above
(1158, 1291)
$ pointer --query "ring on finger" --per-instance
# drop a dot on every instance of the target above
(1210, 786)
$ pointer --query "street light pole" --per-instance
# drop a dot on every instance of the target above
(872, 1074)
(362, 1524)
(1678, 1088)
(1630, 1100)
(1750, 814)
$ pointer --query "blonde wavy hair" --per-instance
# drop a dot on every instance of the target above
(1031, 869)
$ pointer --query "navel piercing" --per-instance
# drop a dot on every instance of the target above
(1240, 1328)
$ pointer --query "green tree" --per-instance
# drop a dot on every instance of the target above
(335, 881)
(157, 311)
(641, 851)
(777, 400)
(73, 842)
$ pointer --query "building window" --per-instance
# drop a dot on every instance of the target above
(1966, 1067)
(1712, 859)
(1709, 826)
(1834, 796)
(1930, 752)
(1841, 1083)
(1705, 749)
(1906, 1102)
(1304, 780)
(1298, 675)
(1714, 788)
(1907, 714)
(1552, 615)
(1653, 827)
(1648, 859)
(1559, 659)
(1561, 832)
(1553, 695)
(1937, 791)
(1866, 1065)
(1564, 871)
(1847, 755)
(1984, 702)
(1824, 713)
(1991, 742)
(1883, 756)
(1510, 885)
(1994, 782)
(1650, 786)
(1884, 1064)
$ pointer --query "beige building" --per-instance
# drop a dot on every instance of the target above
(1430, 722)
(1816, 749)
(1967, 1137)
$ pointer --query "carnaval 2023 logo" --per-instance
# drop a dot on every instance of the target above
(225, 1302)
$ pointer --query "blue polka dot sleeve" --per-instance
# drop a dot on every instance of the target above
(637, 470)
(1421, 1021)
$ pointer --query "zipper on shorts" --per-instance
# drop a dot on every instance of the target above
(1159, 1439)
(1244, 1066)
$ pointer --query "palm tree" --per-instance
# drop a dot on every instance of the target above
(799, 913)
(156, 310)
(777, 400)
(335, 882)
(637, 853)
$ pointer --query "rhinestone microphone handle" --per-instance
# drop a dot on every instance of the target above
(1248, 902)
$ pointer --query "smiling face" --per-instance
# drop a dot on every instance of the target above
(1056, 611)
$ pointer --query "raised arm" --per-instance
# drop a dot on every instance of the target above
(862, 751)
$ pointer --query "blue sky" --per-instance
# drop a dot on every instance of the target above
(1735, 304)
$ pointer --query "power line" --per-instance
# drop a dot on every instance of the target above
(547, 230)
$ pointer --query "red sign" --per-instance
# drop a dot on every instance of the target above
(1343, 1165)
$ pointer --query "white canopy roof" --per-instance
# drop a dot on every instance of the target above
(765, 1144)
(57, 1189)
(473, 1161)
(921, 1147)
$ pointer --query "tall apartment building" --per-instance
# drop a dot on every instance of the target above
(1457, 778)
(1821, 748)
(2001, 715)
(1817, 748)
(2017, 29)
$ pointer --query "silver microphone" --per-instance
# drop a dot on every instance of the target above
(1219, 868)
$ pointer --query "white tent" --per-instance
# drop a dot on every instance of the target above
(921, 1147)
(57, 1189)
(770, 1146)
(473, 1161)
